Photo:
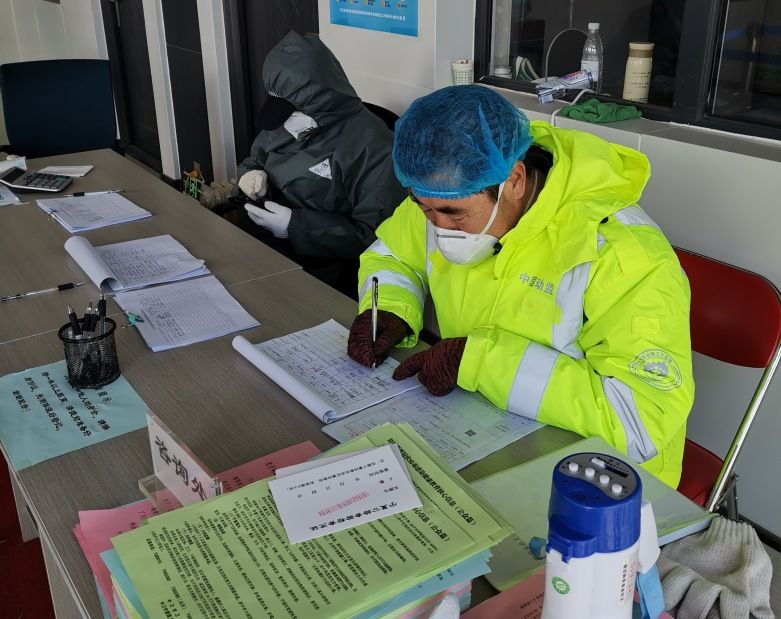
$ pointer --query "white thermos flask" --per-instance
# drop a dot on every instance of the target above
(600, 534)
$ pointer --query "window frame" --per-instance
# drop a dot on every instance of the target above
(703, 21)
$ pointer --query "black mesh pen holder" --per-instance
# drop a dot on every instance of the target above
(92, 356)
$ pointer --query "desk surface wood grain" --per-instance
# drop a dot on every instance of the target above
(33, 256)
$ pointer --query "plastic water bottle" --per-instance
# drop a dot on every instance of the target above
(593, 56)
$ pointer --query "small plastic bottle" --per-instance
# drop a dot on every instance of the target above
(593, 57)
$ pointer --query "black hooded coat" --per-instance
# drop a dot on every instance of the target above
(337, 178)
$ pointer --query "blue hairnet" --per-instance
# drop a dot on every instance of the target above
(457, 141)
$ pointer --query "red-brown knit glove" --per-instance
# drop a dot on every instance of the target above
(390, 331)
(437, 367)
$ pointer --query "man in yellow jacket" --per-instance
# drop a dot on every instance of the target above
(557, 297)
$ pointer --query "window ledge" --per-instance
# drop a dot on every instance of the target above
(629, 132)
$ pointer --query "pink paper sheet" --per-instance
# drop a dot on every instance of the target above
(265, 466)
(94, 532)
(96, 527)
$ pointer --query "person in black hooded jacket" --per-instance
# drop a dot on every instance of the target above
(321, 183)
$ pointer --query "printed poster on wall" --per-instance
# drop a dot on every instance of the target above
(394, 16)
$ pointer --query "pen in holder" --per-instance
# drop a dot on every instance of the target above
(92, 356)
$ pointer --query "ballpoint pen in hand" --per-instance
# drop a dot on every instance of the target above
(74, 321)
(31, 293)
(375, 299)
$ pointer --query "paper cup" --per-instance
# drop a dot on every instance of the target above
(463, 72)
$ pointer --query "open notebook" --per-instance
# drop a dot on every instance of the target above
(313, 367)
(135, 264)
(91, 211)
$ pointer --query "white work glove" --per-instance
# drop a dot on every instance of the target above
(254, 184)
(274, 217)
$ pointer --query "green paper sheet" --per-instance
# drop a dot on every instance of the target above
(229, 556)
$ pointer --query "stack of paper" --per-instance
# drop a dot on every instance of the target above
(76, 171)
(522, 495)
(7, 196)
(312, 366)
(185, 312)
(462, 427)
(229, 556)
(91, 211)
(135, 264)
(96, 527)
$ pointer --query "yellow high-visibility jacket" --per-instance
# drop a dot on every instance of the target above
(581, 321)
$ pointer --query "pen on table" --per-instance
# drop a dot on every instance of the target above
(74, 321)
(31, 293)
(102, 312)
(79, 194)
(375, 298)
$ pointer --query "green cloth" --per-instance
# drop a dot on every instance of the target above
(594, 111)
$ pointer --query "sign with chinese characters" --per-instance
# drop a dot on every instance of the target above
(42, 416)
(176, 467)
(341, 494)
(394, 16)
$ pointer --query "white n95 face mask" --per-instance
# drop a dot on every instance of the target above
(299, 123)
(461, 247)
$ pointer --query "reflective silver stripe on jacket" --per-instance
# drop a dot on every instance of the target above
(378, 247)
(394, 279)
(635, 216)
(531, 380)
(570, 295)
(381, 249)
(639, 445)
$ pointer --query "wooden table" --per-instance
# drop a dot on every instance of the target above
(33, 257)
(220, 405)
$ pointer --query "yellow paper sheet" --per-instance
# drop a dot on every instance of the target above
(230, 557)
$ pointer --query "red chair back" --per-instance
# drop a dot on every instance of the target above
(735, 318)
(735, 314)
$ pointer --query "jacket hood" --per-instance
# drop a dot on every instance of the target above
(590, 179)
(301, 69)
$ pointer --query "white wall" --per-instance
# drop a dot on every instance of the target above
(211, 23)
(38, 30)
(392, 70)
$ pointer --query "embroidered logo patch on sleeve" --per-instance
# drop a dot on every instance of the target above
(657, 368)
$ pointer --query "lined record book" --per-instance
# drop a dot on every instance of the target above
(92, 211)
(311, 365)
(135, 264)
(184, 313)
(230, 557)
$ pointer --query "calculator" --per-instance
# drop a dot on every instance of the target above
(22, 180)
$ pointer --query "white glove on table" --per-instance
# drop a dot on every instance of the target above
(254, 184)
(274, 217)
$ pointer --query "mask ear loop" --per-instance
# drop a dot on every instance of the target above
(495, 211)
